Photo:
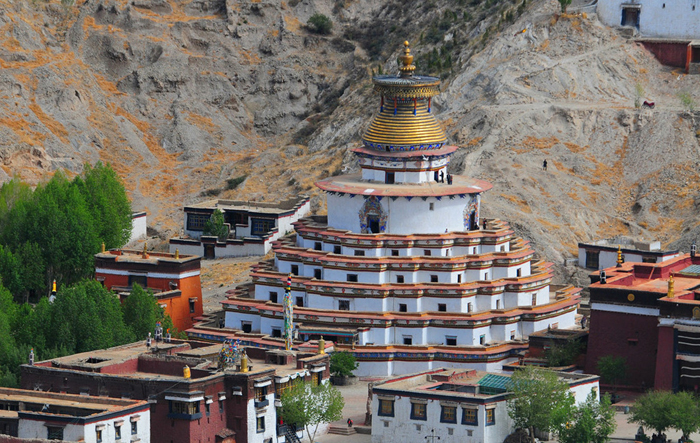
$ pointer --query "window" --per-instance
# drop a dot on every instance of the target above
(433, 279)
(399, 279)
(427, 252)
(449, 414)
(98, 435)
(260, 424)
(407, 340)
(459, 278)
(469, 307)
(343, 305)
(117, 432)
(261, 393)
(474, 250)
(450, 431)
(295, 269)
(512, 335)
(490, 417)
(276, 333)
(498, 304)
(207, 408)
(442, 307)
(592, 259)
(389, 178)
(336, 249)
(134, 427)
(394, 252)
(55, 432)
(142, 281)
(386, 423)
(352, 278)
(534, 299)
(451, 340)
(300, 301)
(196, 222)
(359, 253)
(418, 411)
(192, 306)
(317, 246)
(469, 417)
(273, 297)
(317, 274)
(469, 432)
(261, 226)
(221, 406)
(482, 339)
(246, 326)
(431, 206)
(403, 307)
(486, 275)
(183, 407)
(419, 427)
(518, 272)
(386, 408)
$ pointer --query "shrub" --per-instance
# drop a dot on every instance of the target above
(342, 364)
(320, 24)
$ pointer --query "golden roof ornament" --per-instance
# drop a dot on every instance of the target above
(407, 68)
(671, 292)
(619, 256)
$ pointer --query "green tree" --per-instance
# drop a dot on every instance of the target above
(142, 311)
(558, 355)
(107, 202)
(612, 369)
(320, 24)
(309, 406)
(589, 422)
(653, 411)
(564, 4)
(685, 413)
(216, 226)
(342, 364)
(539, 400)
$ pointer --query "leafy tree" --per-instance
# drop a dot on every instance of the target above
(564, 4)
(539, 400)
(309, 406)
(142, 311)
(653, 410)
(563, 355)
(590, 422)
(685, 413)
(612, 369)
(342, 364)
(320, 24)
(107, 202)
(10, 270)
(216, 226)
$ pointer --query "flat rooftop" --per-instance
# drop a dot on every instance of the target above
(259, 207)
(354, 184)
(151, 257)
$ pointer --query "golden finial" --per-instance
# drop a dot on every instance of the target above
(244, 361)
(103, 247)
(670, 287)
(407, 68)
(619, 256)
(322, 346)
(145, 250)
(186, 373)
(177, 254)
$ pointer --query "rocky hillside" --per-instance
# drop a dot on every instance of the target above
(187, 98)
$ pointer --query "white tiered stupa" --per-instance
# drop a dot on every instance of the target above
(402, 272)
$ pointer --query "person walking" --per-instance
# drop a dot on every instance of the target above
(544, 165)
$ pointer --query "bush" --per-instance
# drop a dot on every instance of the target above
(232, 183)
(342, 364)
(320, 24)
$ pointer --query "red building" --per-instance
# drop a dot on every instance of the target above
(173, 279)
(212, 405)
(649, 313)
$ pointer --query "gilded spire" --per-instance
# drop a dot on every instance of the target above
(407, 67)
(619, 256)
(671, 292)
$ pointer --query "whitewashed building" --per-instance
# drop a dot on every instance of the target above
(603, 254)
(653, 18)
(252, 226)
(32, 415)
(403, 272)
(456, 406)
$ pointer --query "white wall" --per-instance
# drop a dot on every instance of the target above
(270, 418)
(403, 216)
(676, 20)
(138, 227)
(75, 432)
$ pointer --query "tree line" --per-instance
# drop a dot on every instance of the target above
(51, 233)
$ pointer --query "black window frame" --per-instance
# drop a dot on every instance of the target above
(442, 307)
(465, 421)
(352, 278)
(273, 296)
(54, 432)
(380, 410)
(443, 419)
(196, 221)
(260, 424)
(343, 305)
(414, 409)
(592, 259)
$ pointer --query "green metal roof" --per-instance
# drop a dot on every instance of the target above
(691, 270)
(494, 384)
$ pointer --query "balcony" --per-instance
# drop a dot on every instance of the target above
(261, 403)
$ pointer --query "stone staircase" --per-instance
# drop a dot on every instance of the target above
(341, 430)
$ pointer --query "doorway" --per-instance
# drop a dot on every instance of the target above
(373, 223)
(209, 251)
(630, 17)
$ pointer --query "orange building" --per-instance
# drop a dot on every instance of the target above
(173, 279)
